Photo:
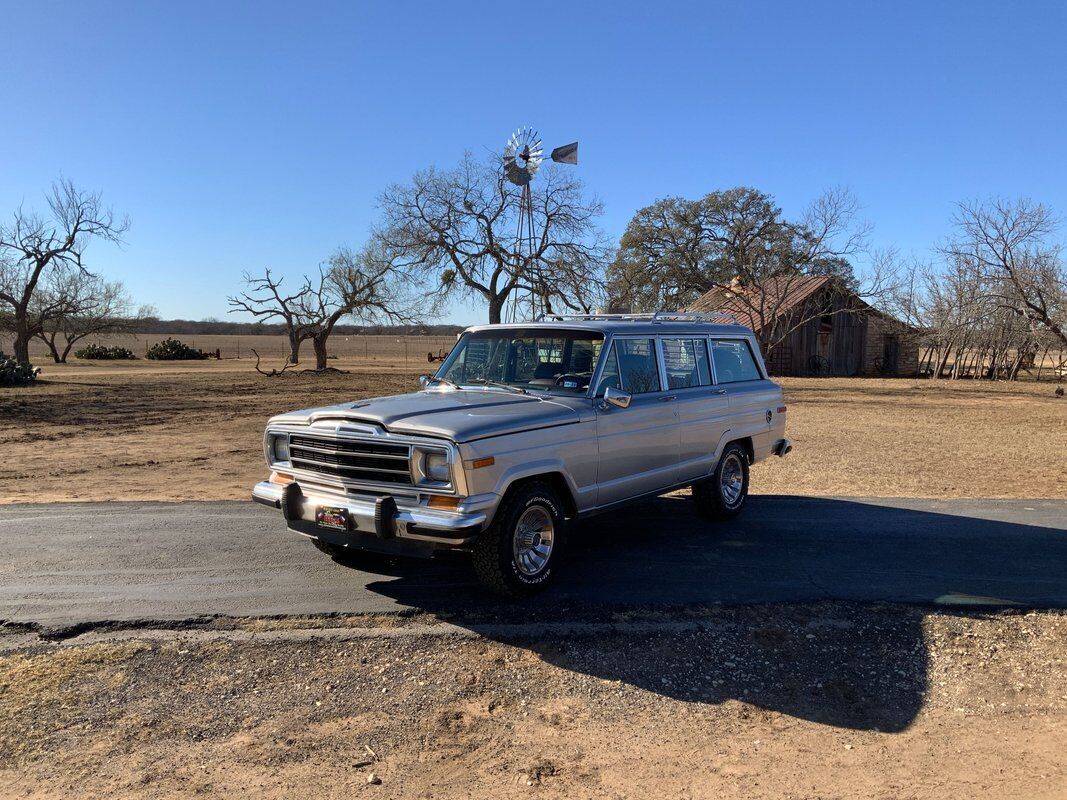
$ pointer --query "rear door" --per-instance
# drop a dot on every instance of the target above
(703, 410)
(751, 394)
(639, 444)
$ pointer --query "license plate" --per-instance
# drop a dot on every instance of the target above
(332, 517)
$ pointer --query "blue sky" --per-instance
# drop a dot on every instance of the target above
(243, 135)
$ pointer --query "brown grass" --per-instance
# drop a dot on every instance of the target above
(921, 438)
(193, 430)
(30, 681)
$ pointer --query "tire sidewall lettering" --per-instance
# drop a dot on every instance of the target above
(550, 506)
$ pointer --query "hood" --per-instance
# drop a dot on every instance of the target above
(458, 415)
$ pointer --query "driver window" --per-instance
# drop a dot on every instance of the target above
(631, 366)
(609, 378)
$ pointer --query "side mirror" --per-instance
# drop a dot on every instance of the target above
(424, 381)
(617, 397)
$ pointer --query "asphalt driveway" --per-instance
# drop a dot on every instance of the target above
(76, 564)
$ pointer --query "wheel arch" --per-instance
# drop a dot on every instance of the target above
(557, 480)
(748, 446)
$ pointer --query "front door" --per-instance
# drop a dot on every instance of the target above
(638, 444)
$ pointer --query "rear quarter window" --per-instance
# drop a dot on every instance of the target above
(733, 361)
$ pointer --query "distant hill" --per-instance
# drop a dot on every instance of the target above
(213, 327)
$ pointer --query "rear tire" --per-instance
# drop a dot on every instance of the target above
(722, 496)
(516, 555)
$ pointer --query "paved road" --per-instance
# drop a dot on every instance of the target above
(71, 564)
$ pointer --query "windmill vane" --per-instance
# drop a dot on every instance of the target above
(523, 154)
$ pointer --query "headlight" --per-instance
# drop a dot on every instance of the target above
(279, 448)
(435, 467)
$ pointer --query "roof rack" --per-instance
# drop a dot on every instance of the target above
(654, 316)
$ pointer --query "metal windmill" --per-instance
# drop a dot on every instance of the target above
(523, 155)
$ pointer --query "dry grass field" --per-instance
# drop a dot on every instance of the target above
(192, 430)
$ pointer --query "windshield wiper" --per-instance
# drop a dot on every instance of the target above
(500, 385)
(444, 381)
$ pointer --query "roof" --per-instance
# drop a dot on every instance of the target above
(609, 326)
(782, 296)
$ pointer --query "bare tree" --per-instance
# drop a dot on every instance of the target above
(1007, 247)
(993, 306)
(367, 286)
(31, 245)
(461, 226)
(264, 299)
(82, 305)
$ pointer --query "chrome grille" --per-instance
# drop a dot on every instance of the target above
(354, 461)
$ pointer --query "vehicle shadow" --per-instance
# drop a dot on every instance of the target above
(661, 600)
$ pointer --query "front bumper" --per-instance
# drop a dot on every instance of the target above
(384, 519)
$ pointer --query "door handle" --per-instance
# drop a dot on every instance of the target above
(720, 391)
(668, 398)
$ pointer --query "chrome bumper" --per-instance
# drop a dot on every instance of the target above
(418, 524)
(783, 448)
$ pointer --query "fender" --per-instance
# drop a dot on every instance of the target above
(533, 469)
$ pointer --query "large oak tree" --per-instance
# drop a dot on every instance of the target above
(677, 249)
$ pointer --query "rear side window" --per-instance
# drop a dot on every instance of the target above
(631, 366)
(733, 361)
(687, 363)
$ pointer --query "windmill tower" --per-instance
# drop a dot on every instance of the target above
(523, 154)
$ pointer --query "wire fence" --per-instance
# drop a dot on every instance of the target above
(365, 347)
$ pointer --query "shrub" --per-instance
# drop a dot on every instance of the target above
(99, 351)
(173, 350)
(12, 373)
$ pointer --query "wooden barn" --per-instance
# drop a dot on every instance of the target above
(817, 326)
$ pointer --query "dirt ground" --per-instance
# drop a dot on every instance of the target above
(174, 431)
(821, 701)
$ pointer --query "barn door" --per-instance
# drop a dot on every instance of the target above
(890, 354)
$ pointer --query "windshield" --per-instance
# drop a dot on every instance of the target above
(559, 361)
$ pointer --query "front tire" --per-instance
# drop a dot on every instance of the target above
(723, 495)
(517, 554)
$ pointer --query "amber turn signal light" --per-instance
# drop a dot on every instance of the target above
(281, 478)
(437, 501)
(478, 463)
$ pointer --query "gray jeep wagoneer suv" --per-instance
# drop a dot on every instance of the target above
(524, 428)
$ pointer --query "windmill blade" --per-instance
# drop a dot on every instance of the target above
(566, 154)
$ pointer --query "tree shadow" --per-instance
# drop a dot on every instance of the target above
(742, 610)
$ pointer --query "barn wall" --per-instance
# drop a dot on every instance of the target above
(878, 328)
(856, 345)
(802, 352)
